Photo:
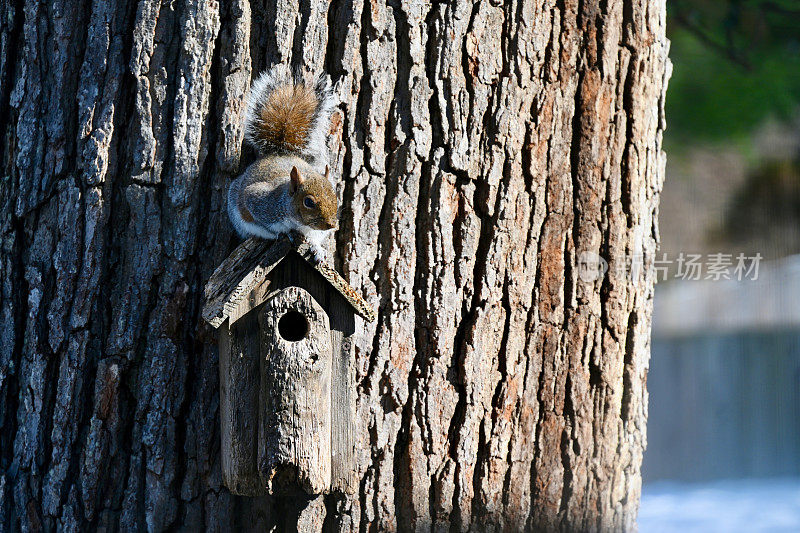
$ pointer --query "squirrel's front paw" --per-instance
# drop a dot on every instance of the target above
(319, 253)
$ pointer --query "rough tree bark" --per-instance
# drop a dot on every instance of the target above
(482, 146)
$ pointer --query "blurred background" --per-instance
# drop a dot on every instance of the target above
(724, 414)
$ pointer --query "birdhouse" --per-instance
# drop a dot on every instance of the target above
(287, 379)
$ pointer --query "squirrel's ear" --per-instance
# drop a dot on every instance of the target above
(296, 179)
(327, 172)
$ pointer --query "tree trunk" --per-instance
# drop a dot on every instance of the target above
(482, 147)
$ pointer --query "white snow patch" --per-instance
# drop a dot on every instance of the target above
(749, 505)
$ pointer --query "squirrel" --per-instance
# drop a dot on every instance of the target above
(287, 190)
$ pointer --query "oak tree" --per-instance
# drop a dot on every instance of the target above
(480, 147)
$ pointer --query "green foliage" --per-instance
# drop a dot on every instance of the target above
(736, 62)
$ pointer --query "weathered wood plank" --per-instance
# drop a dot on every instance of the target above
(229, 293)
(241, 273)
(295, 411)
(337, 282)
(240, 381)
(343, 414)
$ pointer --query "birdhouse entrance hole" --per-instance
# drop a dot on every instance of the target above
(293, 326)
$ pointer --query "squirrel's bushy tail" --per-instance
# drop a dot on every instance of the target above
(289, 115)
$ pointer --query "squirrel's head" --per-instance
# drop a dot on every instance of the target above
(314, 199)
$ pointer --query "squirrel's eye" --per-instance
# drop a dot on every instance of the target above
(309, 202)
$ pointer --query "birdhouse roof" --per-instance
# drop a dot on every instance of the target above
(244, 271)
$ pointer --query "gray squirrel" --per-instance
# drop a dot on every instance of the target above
(287, 190)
